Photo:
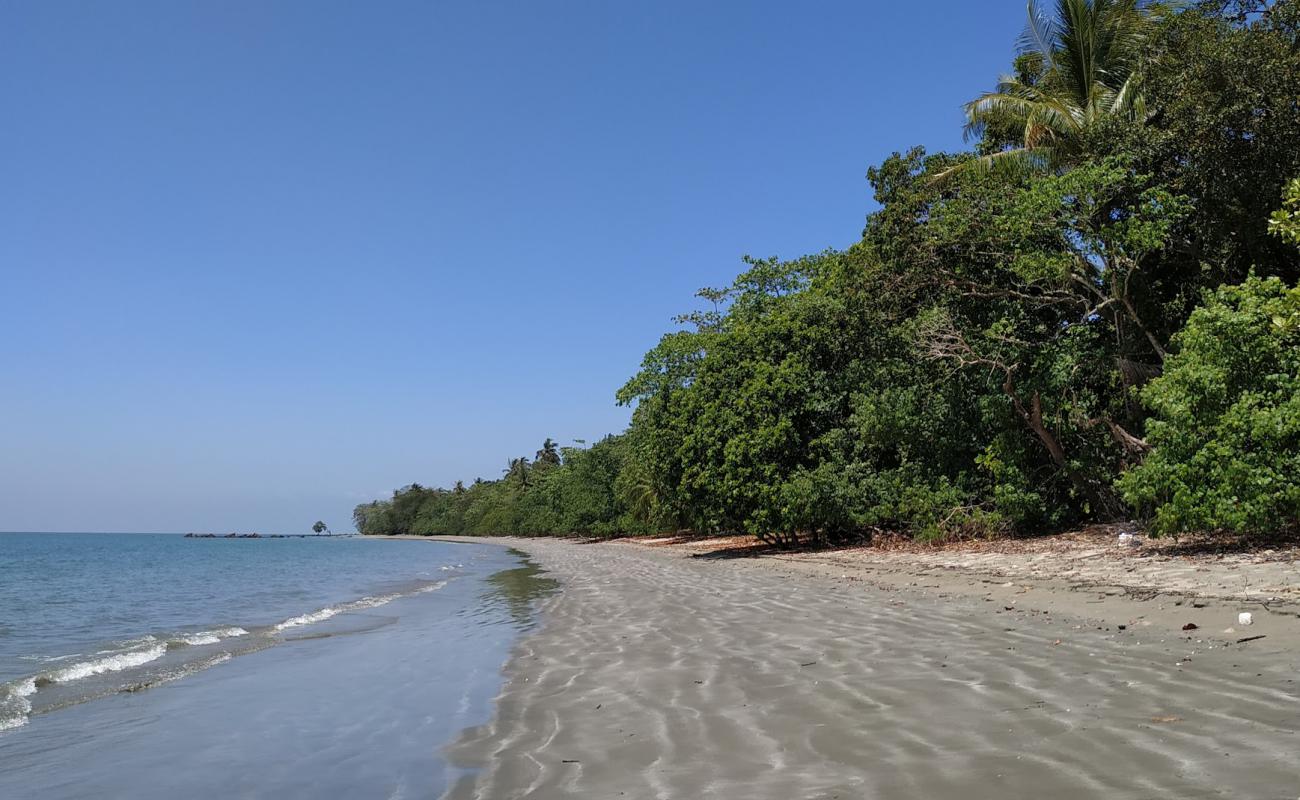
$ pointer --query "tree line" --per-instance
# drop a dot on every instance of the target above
(589, 490)
(1091, 315)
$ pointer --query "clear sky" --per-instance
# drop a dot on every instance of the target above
(261, 261)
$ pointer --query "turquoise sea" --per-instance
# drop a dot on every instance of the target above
(157, 666)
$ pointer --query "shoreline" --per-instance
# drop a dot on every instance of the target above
(659, 674)
(1085, 575)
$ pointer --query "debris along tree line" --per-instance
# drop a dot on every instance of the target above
(1090, 316)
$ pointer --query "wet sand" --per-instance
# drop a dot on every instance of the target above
(656, 675)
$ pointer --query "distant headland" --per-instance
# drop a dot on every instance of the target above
(264, 536)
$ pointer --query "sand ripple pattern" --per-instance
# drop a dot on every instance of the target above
(656, 676)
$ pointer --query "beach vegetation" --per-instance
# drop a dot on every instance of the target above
(1077, 68)
(1226, 424)
(1090, 316)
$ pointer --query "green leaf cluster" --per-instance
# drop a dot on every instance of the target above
(1227, 425)
(1285, 222)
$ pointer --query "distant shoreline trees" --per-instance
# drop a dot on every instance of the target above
(574, 491)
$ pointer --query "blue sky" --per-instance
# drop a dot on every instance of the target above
(263, 260)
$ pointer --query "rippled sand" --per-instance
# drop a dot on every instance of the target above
(659, 676)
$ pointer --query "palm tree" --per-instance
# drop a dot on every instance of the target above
(517, 468)
(1078, 67)
(549, 454)
(637, 489)
(643, 497)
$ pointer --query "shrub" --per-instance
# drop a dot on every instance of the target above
(1226, 425)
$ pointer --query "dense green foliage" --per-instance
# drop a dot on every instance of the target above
(562, 490)
(1227, 426)
(1003, 350)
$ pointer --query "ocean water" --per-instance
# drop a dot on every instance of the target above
(151, 666)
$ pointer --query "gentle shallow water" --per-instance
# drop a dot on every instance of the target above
(157, 666)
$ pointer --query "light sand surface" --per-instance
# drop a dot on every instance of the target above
(1088, 559)
(658, 675)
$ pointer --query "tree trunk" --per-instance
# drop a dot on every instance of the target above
(1151, 337)
(1131, 444)
(1033, 418)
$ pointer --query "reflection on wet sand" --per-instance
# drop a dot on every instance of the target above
(517, 590)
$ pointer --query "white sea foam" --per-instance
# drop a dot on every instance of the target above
(209, 637)
(8, 723)
(373, 601)
(197, 638)
(116, 662)
(14, 705)
(323, 614)
(308, 619)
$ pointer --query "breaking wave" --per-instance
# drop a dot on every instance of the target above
(111, 663)
(14, 705)
(16, 696)
(373, 601)
(205, 637)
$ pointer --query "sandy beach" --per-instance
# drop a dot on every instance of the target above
(660, 675)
